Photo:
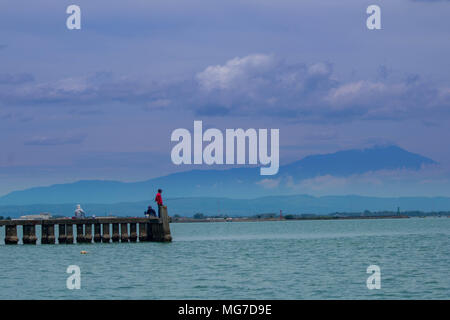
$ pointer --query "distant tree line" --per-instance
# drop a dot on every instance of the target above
(203, 216)
(291, 216)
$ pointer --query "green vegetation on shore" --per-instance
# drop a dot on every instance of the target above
(199, 217)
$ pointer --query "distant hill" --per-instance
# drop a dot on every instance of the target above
(232, 183)
(348, 162)
(295, 204)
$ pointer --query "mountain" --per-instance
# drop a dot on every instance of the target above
(234, 183)
(297, 204)
(348, 162)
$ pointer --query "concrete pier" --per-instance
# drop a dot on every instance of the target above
(80, 233)
(44, 234)
(115, 232)
(88, 233)
(106, 237)
(97, 232)
(26, 234)
(29, 234)
(165, 226)
(51, 234)
(123, 230)
(69, 233)
(62, 233)
(11, 235)
(133, 234)
(143, 232)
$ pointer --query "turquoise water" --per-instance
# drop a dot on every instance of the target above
(247, 260)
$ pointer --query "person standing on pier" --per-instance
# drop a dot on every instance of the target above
(159, 201)
(79, 213)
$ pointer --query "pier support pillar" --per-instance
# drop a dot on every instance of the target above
(124, 232)
(115, 232)
(69, 233)
(152, 230)
(29, 234)
(157, 233)
(51, 234)
(11, 235)
(143, 232)
(44, 234)
(133, 234)
(97, 232)
(61, 233)
(166, 236)
(33, 237)
(106, 237)
(80, 233)
(26, 234)
(88, 233)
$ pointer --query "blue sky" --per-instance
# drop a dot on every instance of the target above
(101, 102)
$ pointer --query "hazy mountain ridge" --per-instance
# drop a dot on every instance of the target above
(296, 204)
(232, 183)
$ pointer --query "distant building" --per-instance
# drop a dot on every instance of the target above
(41, 216)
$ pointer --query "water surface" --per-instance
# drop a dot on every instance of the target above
(244, 260)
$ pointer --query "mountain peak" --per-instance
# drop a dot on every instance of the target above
(234, 183)
(356, 161)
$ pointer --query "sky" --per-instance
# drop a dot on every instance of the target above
(102, 102)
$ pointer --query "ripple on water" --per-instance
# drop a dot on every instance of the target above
(263, 260)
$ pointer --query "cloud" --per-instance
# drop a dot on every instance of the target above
(87, 90)
(212, 110)
(321, 135)
(120, 159)
(430, 1)
(235, 72)
(432, 179)
(260, 85)
(54, 141)
(158, 104)
(14, 79)
(269, 183)
(263, 85)
(10, 116)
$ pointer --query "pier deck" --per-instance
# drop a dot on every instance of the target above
(123, 230)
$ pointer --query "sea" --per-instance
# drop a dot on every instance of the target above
(302, 259)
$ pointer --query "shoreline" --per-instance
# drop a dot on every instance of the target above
(243, 219)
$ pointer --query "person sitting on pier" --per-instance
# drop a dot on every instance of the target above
(159, 201)
(150, 211)
(79, 213)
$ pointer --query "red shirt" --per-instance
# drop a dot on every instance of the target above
(158, 199)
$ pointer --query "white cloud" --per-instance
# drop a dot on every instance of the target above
(320, 69)
(430, 180)
(269, 183)
(54, 141)
(234, 71)
(253, 85)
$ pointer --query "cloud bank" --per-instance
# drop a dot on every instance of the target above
(257, 84)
